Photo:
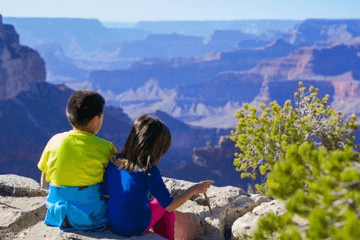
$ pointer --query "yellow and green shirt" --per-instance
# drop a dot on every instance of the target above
(75, 158)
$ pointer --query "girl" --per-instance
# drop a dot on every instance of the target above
(128, 184)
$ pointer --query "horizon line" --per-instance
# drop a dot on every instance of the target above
(186, 20)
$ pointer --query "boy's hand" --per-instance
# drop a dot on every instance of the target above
(203, 186)
(120, 161)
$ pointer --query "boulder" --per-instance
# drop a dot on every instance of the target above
(17, 186)
(22, 204)
(248, 222)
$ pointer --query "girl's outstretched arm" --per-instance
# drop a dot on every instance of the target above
(201, 187)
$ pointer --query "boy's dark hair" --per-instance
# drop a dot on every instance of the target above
(148, 141)
(83, 106)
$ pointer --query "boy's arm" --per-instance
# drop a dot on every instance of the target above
(42, 165)
(43, 182)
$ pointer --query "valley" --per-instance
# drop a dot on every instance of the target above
(192, 75)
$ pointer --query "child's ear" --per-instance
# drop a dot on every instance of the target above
(95, 124)
(96, 119)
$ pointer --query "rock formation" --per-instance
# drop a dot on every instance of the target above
(248, 222)
(216, 163)
(1, 29)
(226, 40)
(163, 46)
(206, 28)
(33, 117)
(22, 211)
(326, 31)
(19, 65)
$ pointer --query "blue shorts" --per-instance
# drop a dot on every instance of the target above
(83, 207)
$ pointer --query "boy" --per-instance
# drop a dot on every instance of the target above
(73, 163)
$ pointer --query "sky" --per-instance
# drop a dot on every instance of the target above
(165, 10)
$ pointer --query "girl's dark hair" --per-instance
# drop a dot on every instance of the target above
(83, 106)
(148, 141)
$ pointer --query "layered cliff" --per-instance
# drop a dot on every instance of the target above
(19, 65)
(326, 32)
(163, 46)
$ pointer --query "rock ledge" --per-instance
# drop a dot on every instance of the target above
(23, 209)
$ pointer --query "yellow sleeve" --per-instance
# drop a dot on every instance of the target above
(112, 151)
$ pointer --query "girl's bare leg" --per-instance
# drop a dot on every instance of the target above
(185, 226)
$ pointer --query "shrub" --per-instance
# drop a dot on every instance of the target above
(319, 186)
(264, 137)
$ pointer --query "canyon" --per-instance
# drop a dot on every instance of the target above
(195, 93)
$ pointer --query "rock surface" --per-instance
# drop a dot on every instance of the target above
(227, 203)
(23, 210)
(19, 65)
(17, 186)
(248, 222)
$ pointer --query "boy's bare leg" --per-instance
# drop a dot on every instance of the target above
(185, 226)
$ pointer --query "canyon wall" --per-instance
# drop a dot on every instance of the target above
(19, 65)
